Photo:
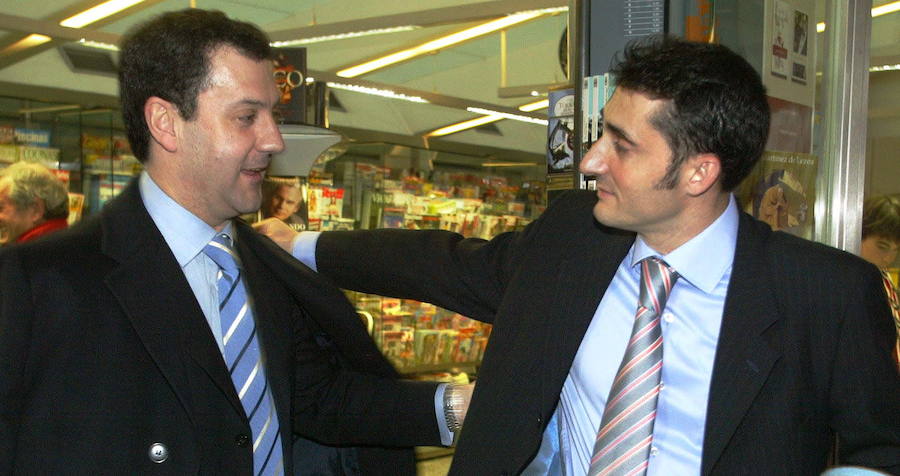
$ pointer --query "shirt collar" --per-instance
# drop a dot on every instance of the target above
(704, 259)
(184, 232)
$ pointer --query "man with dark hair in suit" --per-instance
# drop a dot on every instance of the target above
(648, 326)
(164, 337)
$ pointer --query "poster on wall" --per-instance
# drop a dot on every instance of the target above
(790, 128)
(788, 51)
(561, 131)
(290, 78)
(800, 48)
(780, 39)
(780, 191)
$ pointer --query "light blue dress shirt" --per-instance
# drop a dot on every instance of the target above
(187, 235)
(690, 328)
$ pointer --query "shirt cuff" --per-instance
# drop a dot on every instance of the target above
(303, 247)
(446, 434)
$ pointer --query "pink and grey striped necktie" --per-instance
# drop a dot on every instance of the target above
(626, 430)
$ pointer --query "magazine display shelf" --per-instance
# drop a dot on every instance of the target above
(420, 339)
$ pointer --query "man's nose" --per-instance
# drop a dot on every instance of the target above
(594, 161)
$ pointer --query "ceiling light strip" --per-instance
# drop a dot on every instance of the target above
(343, 36)
(506, 115)
(29, 41)
(98, 44)
(492, 116)
(547, 11)
(98, 12)
(886, 8)
(535, 106)
(461, 126)
(439, 43)
(387, 93)
(885, 67)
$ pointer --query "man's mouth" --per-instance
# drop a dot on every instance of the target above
(259, 171)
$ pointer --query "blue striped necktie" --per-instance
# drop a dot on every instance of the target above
(243, 358)
(626, 429)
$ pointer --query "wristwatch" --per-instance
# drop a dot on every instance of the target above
(453, 402)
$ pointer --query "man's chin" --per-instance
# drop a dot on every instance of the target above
(605, 218)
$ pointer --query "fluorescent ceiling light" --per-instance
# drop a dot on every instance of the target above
(886, 8)
(542, 11)
(534, 106)
(876, 12)
(443, 42)
(29, 41)
(491, 116)
(342, 36)
(506, 115)
(461, 126)
(885, 67)
(98, 45)
(98, 12)
(387, 93)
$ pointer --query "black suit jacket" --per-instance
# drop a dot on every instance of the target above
(803, 349)
(104, 351)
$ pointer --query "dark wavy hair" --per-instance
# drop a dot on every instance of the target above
(169, 57)
(717, 102)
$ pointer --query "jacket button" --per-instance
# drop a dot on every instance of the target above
(242, 440)
(158, 452)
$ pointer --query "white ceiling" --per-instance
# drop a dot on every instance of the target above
(470, 71)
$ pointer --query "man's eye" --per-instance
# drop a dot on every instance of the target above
(248, 119)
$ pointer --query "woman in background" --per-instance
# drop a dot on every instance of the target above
(880, 242)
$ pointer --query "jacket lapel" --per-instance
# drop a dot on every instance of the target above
(581, 283)
(743, 356)
(325, 305)
(273, 315)
(167, 319)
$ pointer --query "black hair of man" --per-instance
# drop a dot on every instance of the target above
(717, 102)
(169, 57)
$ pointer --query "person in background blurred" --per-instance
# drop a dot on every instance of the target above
(33, 202)
(880, 242)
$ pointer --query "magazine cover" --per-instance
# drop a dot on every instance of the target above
(290, 77)
(286, 199)
(561, 131)
(781, 192)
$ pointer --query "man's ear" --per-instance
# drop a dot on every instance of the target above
(702, 172)
(161, 116)
(37, 210)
